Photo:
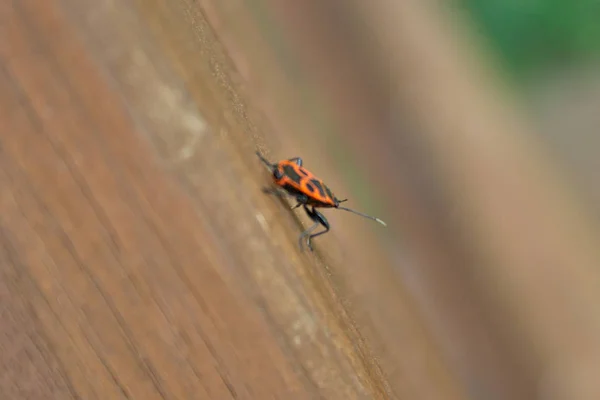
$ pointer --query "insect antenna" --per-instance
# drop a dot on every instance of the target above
(361, 214)
(264, 160)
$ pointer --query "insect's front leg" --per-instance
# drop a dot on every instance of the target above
(319, 219)
(302, 199)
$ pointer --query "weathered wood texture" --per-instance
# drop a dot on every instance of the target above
(139, 257)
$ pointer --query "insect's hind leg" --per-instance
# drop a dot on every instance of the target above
(319, 219)
(296, 160)
(275, 191)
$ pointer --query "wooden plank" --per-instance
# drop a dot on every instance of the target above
(132, 286)
(144, 271)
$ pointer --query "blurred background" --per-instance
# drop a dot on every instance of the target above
(469, 126)
(549, 53)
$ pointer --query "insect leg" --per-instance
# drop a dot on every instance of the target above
(302, 199)
(296, 160)
(305, 234)
(319, 219)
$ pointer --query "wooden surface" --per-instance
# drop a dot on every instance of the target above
(139, 258)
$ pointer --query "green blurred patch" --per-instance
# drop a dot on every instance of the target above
(539, 36)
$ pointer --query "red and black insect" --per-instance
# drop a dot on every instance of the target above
(309, 191)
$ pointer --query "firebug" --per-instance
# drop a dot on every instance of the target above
(292, 179)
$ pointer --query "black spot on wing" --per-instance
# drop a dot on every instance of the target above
(319, 186)
(329, 194)
(302, 171)
(310, 187)
(291, 173)
(292, 190)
